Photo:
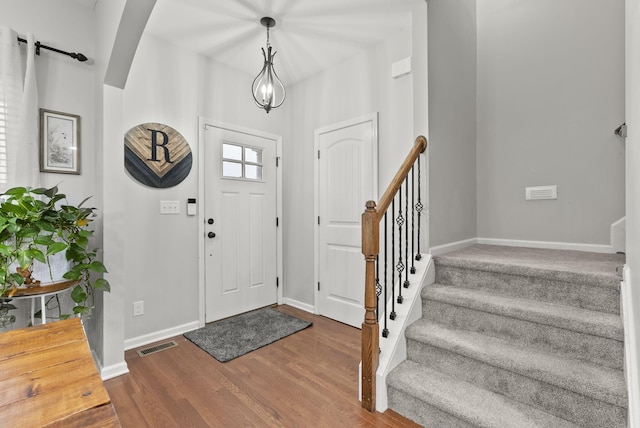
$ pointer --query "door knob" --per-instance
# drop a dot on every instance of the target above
(211, 235)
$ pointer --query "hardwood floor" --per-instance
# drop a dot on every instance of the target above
(309, 379)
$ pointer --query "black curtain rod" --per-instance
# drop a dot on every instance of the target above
(80, 57)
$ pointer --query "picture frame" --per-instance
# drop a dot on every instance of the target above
(59, 142)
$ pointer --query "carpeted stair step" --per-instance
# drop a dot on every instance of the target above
(578, 333)
(573, 278)
(584, 393)
(435, 399)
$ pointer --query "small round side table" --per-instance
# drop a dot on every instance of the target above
(41, 291)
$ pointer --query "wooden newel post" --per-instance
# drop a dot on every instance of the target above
(370, 328)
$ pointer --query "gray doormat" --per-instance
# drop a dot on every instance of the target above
(232, 337)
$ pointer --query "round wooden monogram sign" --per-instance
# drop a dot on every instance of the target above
(157, 155)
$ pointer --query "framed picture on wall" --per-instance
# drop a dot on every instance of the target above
(59, 142)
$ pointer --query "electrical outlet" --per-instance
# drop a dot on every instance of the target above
(138, 308)
(169, 207)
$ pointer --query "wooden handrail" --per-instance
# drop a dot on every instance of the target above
(419, 146)
(370, 248)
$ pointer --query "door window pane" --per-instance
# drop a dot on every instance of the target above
(253, 172)
(232, 152)
(252, 155)
(231, 169)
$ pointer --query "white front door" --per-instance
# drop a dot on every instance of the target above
(240, 222)
(347, 178)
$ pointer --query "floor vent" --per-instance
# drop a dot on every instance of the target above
(157, 348)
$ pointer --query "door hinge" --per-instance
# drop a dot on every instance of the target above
(318, 219)
(318, 154)
(318, 285)
(277, 161)
(277, 282)
(277, 222)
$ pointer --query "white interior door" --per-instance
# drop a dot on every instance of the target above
(347, 178)
(240, 222)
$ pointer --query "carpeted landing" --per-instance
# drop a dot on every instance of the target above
(516, 337)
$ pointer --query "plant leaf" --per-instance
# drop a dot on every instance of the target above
(51, 192)
(16, 191)
(83, 310)
(46, 226)
(5, 250)
(29, 231)
(44, 240)
(97, 266)
(17, 278)
(14, 209)
(56, 247)
(82, 242)
(36, 254)
(73, 274)
(102, 284)
(83, 201)
(78, 295)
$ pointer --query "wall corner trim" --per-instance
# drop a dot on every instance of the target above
(300, 305)
(632, 375)
(114, 370)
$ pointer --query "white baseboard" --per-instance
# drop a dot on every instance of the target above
(113, 370)
(630, 354)
(618, 235)
(160, 335)
(300, 305)
(458, 245)
(452, 246)
(593, 248)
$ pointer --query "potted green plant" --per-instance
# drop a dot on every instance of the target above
(37, 225)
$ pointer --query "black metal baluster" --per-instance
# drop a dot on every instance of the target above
(385, 330)
(413, 218)
(400, 265)
(406, 233)
(392, 315)
(419, 208)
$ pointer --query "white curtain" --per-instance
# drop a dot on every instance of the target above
(19, 161)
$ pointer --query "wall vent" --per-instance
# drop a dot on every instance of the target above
(157, 348)
(541, 192)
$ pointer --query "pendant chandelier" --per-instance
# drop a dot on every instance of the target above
(268, 90)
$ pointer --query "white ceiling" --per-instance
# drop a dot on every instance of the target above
(309, 36)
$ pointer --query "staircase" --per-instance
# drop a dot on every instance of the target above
(516, 337)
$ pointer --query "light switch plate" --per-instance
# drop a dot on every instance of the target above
(169, 207)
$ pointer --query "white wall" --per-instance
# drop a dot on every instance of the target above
(173, 86)
(452, 120)
(64, 84)
(550, 93)
(632, 307)
(358, 86)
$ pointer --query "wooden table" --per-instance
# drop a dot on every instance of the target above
(48, 378)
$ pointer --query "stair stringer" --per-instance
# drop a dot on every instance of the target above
(393, 349)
